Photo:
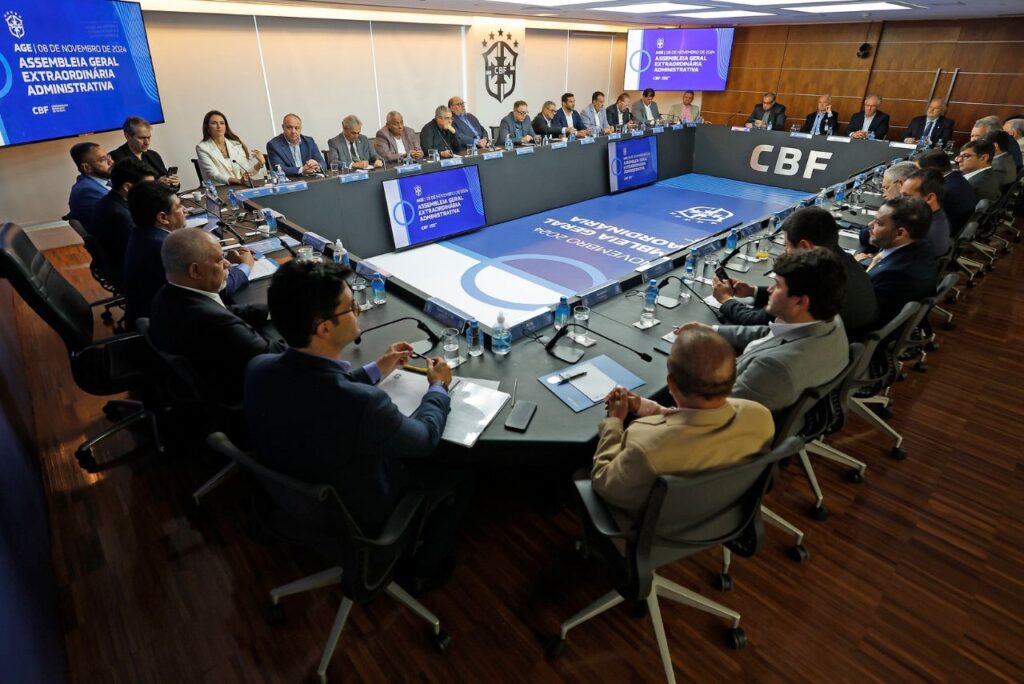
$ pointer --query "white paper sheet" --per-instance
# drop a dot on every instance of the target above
(595, 384)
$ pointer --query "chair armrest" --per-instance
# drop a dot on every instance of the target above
(399, 520)
(598, 512)
(115, 341)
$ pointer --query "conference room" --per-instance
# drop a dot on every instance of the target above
(507, 340)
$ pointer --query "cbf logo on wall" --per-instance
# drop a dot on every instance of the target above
(500, 57)
(710, 215)
(14, 24)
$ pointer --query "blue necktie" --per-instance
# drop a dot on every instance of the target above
(928, 130)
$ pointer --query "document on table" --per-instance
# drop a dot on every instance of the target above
(263, 268)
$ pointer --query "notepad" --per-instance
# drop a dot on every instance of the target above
(263, 268)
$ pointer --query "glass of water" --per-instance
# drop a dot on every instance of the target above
(359, 297)
(450, 344)
(581, 317)
(304, 253)
(433, 155)
(334, 169)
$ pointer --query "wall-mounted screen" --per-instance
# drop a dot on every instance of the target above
(678, 59)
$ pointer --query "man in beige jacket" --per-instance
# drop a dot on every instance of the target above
(708, 429)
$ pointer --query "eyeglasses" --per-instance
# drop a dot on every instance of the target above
(458, 104)
(966, 155)
(522, 112)
(353, 309)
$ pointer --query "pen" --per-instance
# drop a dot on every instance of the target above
(415, 369)
(515, 386)
(566, 377)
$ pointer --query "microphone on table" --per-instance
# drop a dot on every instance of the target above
(228, 227)
(245, 174)
(431, 335)
(743, 244)
(714, 312)
(564, 330)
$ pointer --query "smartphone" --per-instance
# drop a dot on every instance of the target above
(721, 274)
(173, 171)
(520, 416)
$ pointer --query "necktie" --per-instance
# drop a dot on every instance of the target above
(874, 261)
(352, 148)
(296, 155)
(928, 130)
(817, 123)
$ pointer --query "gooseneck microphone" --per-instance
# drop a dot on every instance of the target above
(743, 244)
(564, 330)
(434, 339)
(714, 312)
(231, 229)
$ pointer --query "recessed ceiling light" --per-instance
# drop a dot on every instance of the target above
(723, 14)
(543, 3)
(651, 7)
(765, 3)
(856, 7)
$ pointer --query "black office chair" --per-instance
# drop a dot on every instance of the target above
(494, 134)
(199, 171)
(100, 367)
(683, 516)
(100, 271)
(313, 516)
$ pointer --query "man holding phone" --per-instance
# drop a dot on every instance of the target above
(822, 121)
(138, 135)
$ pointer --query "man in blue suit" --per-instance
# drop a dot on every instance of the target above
(93, 183)
(568, 119)
(960, 200)
(932, 126)
(157, 211)
(297, 154)
(904, 268)
(467, 126)
(337, 428)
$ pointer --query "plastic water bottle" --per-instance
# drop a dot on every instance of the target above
(650, 303)
(211, 191)
(689, 266)
(232, 199)
(770, 123)
(341, 255)
(840, 193)
(501, 336)
(732, 239)
(270, 219)
(476, 142)
(871, 135)
(508, 144)
(380, 295)
(819, 199)
(562, 313)
(282, 177)
(474, 339)
(572, 137)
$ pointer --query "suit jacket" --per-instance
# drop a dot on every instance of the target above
(986, 184)
(144, 273)
(150, 159)
(879, 124)
(385, 146)
(906, 275)
(859, 308)
(279, 151)
(215, 167)
(112, 226)
(542, 127)
(775, 373)
(217, 341)
(509, 129)
(829, 120)
(465, 132)
(628, 460)
(942, 130)
(777, 113)
(86, 193)
(594, 119)
(960, 200)
(562, 122)
(337, 150)
(614, 118)
(338, 429)
(637, 110)
(433, 138)
(1005, 170)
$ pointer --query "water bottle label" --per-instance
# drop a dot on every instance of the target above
(408, 168)
(354, 177)
(601, 293)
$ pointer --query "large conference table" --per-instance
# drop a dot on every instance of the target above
(557, 436)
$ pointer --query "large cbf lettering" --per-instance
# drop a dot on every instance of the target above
(788, 161)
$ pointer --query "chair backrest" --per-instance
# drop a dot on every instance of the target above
(195, 386)
(817, 409)
(199, 171)
(44, 289)
(882, 364)
(313, 515)
(77, 226)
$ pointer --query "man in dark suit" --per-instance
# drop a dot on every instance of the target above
(93, 182)
(337, 428)
(396, 141)
(904, 268)
(568, 119)
(350, 148)
(544, 123)
(870, 121)
(646, 109)
(516, 126)
(189, 318)
(960, 200)
(112, 223)
(928, 186)
(932, 126)
(805, 229)
(157, 212)
(138, 135)
(975, 160)
(439, 134)
(1002, 162)
(823, 121)
(619, 114)
(296, 154)
(768, 114)
(467, 126)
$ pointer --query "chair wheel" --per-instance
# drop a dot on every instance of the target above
(885, 412)
(855, 476)
(798, 553)
(932, 346)
(274, 615)
(555, 648)
(441, 642)
(106, 317)
(948, 325)
(736, 638)
(819, 512)
(723, 583)
(952, 299)
(87, 461)
(971, 283)
(898, 453)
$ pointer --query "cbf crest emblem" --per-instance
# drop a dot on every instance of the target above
(712, 215)
(14, 24)
(500, 64)
(661, 43)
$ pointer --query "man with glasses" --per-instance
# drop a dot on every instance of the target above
(768, 114)
(975, 161)
(932, 126)
(544, 123)
(93, 182)
(619, 114)
(315, 417)
(439, 134)
(467, 126)
(516, 126)
(892, 184)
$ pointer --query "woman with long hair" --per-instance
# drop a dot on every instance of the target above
(223, 157)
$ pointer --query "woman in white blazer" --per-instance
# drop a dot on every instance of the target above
(223, 157)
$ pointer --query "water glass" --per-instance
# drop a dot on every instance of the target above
(359, 297)
(450, 344)
(335, 169)
(581, 317)
(433, 155)
(304, 253)
(316, 257)
(710, 265)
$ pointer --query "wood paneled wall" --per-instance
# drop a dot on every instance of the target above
(800, 62)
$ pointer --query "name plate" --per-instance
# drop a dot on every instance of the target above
(797, 134)
(454, 161)
(588, 141)
(656, 268)
(838, 138)
(250, 193)
(614, 136)
(444, 312)
(677, 127)
(636, 133)
(493, 155)
(601, 293)
(658, 129)
(317, 242)
(741, 129)
(691, 124)
(558, 145)
(524, 150)
(355, 177)
(531, 325)
(409, 168)
(903, 145)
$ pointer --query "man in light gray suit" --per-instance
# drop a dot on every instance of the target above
(350, 148)
(806, 345)
(646, 109)
(594, 117)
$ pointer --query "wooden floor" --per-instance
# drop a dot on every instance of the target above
(917, 576)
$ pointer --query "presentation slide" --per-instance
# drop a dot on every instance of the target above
(434, 206)
(73, 66)
(678, 59)
(632, 162)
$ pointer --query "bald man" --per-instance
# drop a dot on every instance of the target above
(296, 154)
(706, 429)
